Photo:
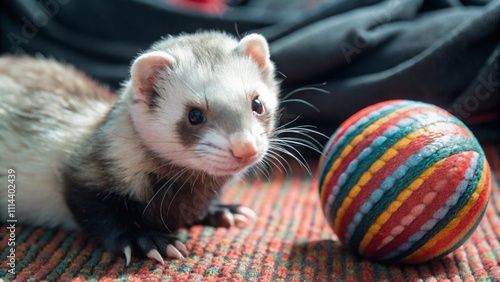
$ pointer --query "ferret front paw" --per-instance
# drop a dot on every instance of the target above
(220, 215)
(152, 244)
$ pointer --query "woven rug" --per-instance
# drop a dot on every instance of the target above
(289, 242)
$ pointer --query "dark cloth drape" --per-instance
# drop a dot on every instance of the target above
(445, 52)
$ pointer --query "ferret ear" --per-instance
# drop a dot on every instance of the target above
(145, 70)
(255, 46)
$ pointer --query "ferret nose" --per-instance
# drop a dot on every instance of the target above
(244, 152)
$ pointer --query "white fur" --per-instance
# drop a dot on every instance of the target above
(215, 149)
(131, 160)
(190, 84)
(37, 159)
(145, 68)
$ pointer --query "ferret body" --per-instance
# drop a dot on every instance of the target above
(196, 113)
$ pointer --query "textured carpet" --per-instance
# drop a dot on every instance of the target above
(289, 242)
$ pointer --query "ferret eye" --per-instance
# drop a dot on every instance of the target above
(196, 116)
(257, 106)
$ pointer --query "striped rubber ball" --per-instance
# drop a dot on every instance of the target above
(403, 182)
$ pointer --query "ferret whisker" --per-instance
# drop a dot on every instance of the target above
(236, 30)
(188, 86)
(208, 144)
(312, 87)
(166, 191)
(250, 171)
(267, 164)
(307, 139)
(282, 74)
(164, 163)
(157, 181)
(288, 168)
(241, 78)
(272, 165)
(302, 161)
(298, 139)
(283, 126)
(264, 172)
(299, 128)
(154, 195)
(274, 153)
(274, 156)
(161, 188)
(303, 144)
(254, 170)
(301, 102)
(192, 186)
(173, 198)
(302, 129)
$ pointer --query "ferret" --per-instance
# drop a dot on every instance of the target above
(129, 170)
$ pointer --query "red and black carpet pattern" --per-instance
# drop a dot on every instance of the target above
(290, 241)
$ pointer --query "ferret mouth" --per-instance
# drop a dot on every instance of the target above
(228, 167)
(229, 171)
(232, 170)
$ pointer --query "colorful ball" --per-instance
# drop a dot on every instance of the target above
(403, 181)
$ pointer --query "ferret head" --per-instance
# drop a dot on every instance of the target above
(205, 101)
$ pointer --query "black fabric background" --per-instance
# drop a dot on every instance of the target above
(444, 52)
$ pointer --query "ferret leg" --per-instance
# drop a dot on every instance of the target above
(222, 215)
(116, 222)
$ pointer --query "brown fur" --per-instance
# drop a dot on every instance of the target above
(53, 77)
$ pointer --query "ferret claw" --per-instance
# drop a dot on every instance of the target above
(182, 248)
(240, 220)
(221, 215)
(155, 245)
(172, 252)
(154, 254)
(229, 218)
(247, 212)
(128, 254)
